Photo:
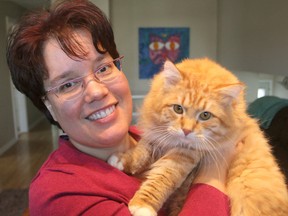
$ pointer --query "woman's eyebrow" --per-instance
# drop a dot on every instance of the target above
(100, 60)
(62, 76)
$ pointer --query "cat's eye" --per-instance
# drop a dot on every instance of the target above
(178, 109)
(204, 116)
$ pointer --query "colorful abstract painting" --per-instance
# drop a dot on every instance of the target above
(158, 44)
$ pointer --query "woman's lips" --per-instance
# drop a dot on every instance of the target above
(101, 113)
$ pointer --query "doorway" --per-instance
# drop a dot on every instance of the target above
(18, 99)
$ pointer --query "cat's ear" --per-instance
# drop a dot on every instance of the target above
(171, 73)
(231, 92)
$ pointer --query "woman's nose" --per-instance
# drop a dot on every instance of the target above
(94, 90)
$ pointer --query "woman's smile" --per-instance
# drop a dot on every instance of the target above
(101, 113)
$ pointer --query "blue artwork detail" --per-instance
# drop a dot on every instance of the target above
(158, 44)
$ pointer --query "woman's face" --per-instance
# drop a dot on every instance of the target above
(88, 119)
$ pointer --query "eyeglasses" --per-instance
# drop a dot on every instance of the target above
(74, 88)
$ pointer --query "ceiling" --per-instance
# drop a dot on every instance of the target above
(30, 4)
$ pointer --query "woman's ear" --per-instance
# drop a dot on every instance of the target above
(49, 107)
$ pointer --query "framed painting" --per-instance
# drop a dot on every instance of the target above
(158, 44)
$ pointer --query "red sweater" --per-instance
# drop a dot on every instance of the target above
(71, 182)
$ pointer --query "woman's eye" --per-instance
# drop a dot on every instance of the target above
(204, 116)
(178, 109)
(104, 69)
(69, 86)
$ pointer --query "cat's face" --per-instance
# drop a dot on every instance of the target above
(191, 109)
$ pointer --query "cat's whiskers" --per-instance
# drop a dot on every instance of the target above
(160, 137)
(167, 138)
(199, 143)
(212, 155)
(216, 149)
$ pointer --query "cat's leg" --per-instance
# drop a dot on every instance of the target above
(255, 185)
(133, 161)
(164, 177)
(176, 201)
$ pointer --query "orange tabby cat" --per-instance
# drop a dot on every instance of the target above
(193, 108)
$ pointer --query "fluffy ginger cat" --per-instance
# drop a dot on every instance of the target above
(196, 108)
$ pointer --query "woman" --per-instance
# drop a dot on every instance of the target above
(65, 60)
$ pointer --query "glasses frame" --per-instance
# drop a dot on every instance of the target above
(54, 89)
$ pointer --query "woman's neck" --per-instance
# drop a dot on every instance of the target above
(105, 153)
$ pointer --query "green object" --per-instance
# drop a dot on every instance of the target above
(265, 108)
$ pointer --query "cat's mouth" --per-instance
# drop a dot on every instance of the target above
(195, 144)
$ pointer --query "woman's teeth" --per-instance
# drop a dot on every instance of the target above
(102, 113)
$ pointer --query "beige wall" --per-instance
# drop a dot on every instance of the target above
(128, 15)
(253, 42)
(254, 35)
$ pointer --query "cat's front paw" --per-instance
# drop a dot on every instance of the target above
(115, 161)
(142, 211)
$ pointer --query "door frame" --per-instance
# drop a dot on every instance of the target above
(18, 99)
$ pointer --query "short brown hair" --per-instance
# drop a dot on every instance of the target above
(25, 43)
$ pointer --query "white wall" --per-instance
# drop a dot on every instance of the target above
(128, 15)
(253, 42)
(279, 89)
(104, 5)
(254, 35)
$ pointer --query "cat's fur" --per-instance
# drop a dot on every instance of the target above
(178, 130)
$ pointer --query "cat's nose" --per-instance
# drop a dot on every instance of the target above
(186, 131)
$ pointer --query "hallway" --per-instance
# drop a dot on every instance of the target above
(20, 163)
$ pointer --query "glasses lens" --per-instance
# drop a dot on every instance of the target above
(109, 71)
(70, 90)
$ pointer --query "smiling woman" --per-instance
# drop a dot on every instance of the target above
(73, 109)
